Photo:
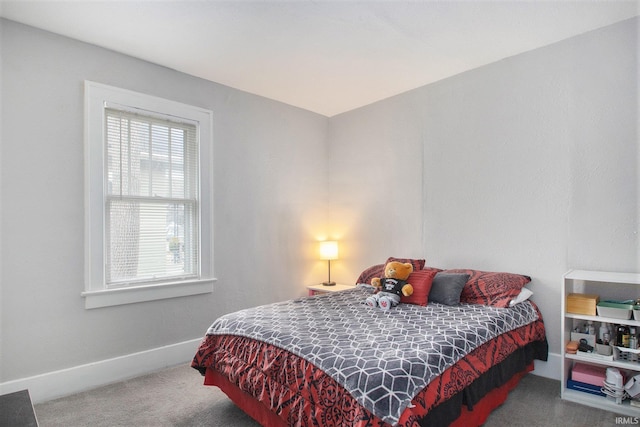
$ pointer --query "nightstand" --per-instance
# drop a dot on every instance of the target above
(321, 289)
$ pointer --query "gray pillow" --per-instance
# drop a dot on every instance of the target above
(447, 287)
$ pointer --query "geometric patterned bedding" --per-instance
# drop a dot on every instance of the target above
(383, 359)
(300, 394)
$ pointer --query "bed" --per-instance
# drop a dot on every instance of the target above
(447, 355)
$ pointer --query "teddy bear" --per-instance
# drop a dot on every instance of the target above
(392, 286)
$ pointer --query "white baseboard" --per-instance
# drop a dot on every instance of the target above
(549, 369)
(64, 382)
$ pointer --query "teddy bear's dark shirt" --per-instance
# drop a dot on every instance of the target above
(393, 286)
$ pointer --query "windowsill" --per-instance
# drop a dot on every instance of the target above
(131, 295)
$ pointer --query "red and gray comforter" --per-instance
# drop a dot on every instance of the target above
(383, 359)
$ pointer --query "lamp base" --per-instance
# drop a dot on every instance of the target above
(328, 283)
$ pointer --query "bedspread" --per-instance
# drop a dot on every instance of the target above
(382, 358)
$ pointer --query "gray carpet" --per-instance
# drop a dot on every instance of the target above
(176, 397)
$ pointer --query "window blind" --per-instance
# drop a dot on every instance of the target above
(151, 202)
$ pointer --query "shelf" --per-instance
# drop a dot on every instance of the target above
(598, 361)
(630, 322)
(602, 276)
(615, 285)
(600, 402)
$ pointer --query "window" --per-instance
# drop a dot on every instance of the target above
(149, 192)
(151, 203)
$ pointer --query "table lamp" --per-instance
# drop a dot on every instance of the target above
(329, 251)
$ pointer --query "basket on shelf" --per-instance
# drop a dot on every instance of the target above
(626, 354)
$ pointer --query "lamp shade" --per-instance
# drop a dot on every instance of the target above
(329, 250)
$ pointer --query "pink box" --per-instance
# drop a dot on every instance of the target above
(594, 375)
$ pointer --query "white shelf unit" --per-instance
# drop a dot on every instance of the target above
(609, 286)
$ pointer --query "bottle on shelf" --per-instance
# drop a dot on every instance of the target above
(626, 335)
(591, 329)
(604, 329)
(617, 339)
(622, 336)
(633, 339)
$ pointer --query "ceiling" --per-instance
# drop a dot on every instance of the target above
(324, 56)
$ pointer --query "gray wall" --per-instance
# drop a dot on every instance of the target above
(528, 165)
(270, 192)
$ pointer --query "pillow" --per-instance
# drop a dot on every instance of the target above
(418, 264)
(421, 281)
(522, 297)
(491, 288)
(447, 287)
(371, 272)
(378, 269)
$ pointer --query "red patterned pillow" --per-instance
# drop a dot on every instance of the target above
(418, 264)
(491, 288)
(421, 281)
(371, 272)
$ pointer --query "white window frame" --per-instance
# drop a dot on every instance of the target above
(97, 98)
